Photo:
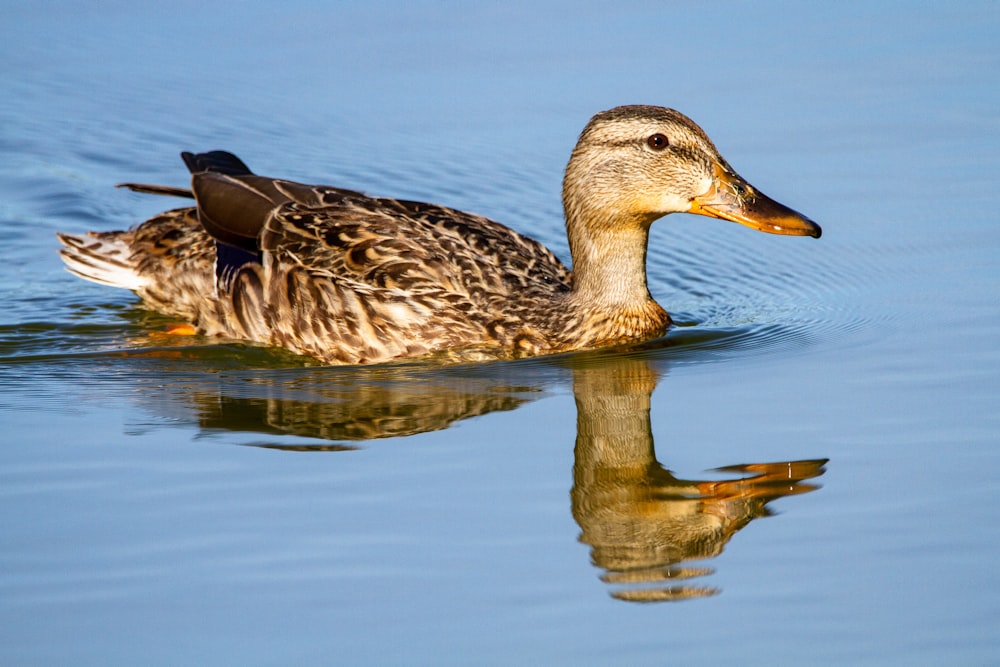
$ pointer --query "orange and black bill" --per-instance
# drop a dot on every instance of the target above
(732, 198)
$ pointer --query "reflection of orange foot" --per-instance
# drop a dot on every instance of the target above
(181, 330)
(790, 470)
(768, 480)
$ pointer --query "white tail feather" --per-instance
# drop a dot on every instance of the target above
(101, 258)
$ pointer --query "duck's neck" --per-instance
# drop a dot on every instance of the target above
(609, 264)
(609, 282)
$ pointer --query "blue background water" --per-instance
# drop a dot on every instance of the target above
(138, 525)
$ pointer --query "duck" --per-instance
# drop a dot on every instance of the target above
(348, 278)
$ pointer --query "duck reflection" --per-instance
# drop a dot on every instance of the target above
(641, 522)
(354, 411)
(334, 407)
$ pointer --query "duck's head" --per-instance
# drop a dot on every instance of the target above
(634, 164)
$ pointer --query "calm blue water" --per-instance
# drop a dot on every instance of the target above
(182, 502)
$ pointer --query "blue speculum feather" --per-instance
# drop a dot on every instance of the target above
(229, 259)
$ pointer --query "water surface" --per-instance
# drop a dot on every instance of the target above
(803, 469)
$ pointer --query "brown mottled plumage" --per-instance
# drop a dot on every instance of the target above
(348, 278)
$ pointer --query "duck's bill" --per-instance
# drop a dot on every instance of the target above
(731, 198)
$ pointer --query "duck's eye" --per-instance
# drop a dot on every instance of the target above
(658, 141)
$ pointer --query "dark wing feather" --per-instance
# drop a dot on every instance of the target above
(233, 206)
(219, 162)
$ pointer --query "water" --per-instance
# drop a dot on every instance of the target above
(803, 470)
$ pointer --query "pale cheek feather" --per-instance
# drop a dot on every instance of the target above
(671, 203)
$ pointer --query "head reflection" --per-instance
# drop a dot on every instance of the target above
(642, 523)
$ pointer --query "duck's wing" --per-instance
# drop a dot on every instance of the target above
(378, 242)
(387, 243)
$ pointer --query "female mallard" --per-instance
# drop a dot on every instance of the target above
(352, 279)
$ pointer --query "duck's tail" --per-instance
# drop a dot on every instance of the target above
(219, 162)
(167, 190)
(102, 257)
